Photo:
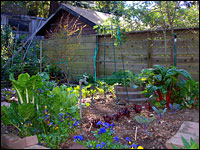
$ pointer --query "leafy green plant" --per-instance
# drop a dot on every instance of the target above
(190, 93)
(19, 116)
(25, 87)
(163, 83)
(63, 101)
(187, 145)
(144, 122)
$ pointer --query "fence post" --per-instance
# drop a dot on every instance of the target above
(40, 56)
(22, 60)
(149, 49)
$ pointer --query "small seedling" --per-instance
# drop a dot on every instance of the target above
(159, 112)
(174, 108)
(144, 122)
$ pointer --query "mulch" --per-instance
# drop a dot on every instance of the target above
(126, 127)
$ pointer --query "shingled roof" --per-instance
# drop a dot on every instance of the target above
(94, 16)
(90, 17)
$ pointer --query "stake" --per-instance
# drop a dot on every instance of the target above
(90, 126)
(135, 133)
(80, 82)
(40, 56)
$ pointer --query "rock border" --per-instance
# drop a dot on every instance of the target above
(11, 141)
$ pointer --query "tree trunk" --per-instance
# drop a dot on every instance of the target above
(53, 6)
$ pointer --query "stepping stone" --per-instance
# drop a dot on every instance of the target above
(36, 147)
(188, 130)
(77, 146)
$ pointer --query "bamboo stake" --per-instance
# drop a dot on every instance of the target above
(135, 133)
(90, 126)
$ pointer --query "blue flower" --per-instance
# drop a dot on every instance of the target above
(116, 139)
(128, 140)
(60, 114)
(98, 146)
(112, 125)
(107, 125)
(103, 144)
(133, 146)
(90, 145)
(99, 123)
(50, 124)
(102, 130)
(78, 138)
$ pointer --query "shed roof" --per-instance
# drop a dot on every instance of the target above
(94, 16)
(90, 17)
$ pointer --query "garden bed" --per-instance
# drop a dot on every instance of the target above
(123, 128)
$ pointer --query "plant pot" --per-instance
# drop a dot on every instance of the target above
(131, 94)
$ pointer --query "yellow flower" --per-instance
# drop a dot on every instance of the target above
(45, 107)
(129, 142)
(132, 148)
(56, 127)
(140, 147)
(143, 79)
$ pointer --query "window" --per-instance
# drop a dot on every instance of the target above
(23, 25)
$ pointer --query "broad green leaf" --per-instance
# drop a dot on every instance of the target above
(23, 79)
(56, 90)
(158, 77)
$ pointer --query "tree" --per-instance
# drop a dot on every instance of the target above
(32, 8)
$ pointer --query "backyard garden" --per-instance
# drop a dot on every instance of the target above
(107, 107)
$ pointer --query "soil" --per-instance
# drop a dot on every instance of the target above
(126, 127)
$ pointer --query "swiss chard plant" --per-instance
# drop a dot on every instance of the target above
(25, 87)
(190, 93)
(163, 83)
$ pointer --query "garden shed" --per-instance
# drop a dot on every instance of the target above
(86, 17)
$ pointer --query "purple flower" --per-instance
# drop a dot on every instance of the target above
(78, 138)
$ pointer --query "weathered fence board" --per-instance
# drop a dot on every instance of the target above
(141, 50)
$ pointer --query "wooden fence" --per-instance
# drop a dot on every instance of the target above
(141, 50)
